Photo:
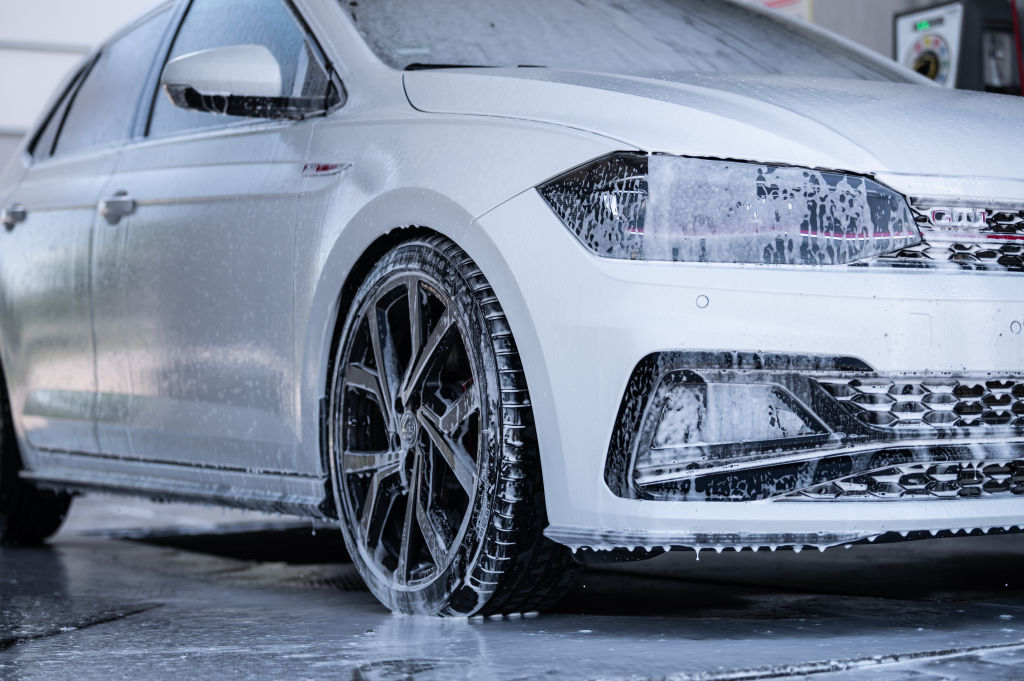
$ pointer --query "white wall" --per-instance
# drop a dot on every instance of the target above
(868, 22)
(40, 42)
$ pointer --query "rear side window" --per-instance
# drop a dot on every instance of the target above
(43, 145)
(224, 23)
(103, 109)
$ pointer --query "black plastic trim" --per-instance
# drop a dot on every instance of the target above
(852, 446)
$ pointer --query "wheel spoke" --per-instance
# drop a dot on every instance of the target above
(368, 462)
(375, 513)
(426, 355)
(361, 378)
(412, 503)
(382, 356)
(412, 287)
(436, 544)
(459, 410)
(462, 464)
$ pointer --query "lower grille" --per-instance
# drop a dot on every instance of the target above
(730, 427)
(931, 404)
(946, 480)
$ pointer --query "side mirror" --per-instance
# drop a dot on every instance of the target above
(240, 80)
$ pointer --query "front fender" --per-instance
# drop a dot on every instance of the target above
(438, 172)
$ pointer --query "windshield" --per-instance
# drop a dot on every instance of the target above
(633, 37)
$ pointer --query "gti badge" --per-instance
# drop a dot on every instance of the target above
(958, 219)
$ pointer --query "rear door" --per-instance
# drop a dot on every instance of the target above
(45, 254)
(193, 289)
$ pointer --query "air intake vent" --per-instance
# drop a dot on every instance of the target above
(942, 480)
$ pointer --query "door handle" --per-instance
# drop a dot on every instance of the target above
(14, 215)
(118, 206)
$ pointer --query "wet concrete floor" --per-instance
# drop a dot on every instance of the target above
(136, 590)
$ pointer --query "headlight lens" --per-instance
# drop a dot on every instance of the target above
(672, 208)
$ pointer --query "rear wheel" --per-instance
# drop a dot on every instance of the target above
(27, 515)
(434, 460)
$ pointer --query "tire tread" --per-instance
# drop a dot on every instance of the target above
(540, 572)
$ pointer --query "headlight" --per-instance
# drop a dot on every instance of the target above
(672, 208)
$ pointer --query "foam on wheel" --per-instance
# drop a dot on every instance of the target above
(433, 455)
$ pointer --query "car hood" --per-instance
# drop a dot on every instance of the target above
(973, 140)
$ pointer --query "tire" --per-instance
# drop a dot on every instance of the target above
(435, 468)
(28, 515)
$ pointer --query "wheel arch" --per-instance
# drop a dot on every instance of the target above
(385, 222)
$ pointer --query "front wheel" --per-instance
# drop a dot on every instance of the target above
(433, 455)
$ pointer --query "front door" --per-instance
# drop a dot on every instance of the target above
(193, 300)
(193, 277)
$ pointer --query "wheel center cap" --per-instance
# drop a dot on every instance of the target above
(408, 429)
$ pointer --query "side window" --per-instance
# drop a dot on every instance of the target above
(103, 110)
(223, 23)
(42, 146)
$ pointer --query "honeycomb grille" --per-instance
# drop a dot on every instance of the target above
(933, 403)
(1007, 223)
(999, 246)
(972, 255)
(946, 480)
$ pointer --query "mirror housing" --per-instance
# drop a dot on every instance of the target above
(240, 80)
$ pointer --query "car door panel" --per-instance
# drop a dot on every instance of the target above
(194, 287)
(47, 321)
(193, 299)
(49, 349)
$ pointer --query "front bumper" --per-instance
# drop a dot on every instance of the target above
(584, 324)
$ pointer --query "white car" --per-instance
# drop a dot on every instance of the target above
(507, 286)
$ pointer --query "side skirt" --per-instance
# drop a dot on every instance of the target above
(271, 492)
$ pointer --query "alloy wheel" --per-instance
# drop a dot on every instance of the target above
(408, 408)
